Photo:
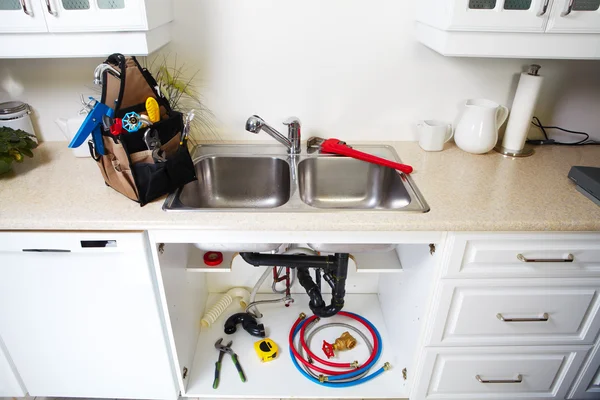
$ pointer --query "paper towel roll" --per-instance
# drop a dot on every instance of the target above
(522, 110)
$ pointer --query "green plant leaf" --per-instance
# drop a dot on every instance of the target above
(4, 166)
(16, 143)
(31, 143)
(27, 152)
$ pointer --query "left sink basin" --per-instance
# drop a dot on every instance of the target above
(238, 182)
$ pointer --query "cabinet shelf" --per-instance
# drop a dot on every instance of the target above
(279, 378)
(196, 262)
(384, 262)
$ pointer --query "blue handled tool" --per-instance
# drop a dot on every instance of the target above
(91, 125)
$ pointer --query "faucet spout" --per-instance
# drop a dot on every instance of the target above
(255, 124)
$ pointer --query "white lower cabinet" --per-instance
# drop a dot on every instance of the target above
(79, 316)
(508, 311)
(514, 315)
(10, 386)
(392, 291)
(587, 384)
(536, 372)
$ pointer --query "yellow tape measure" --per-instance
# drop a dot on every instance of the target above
(266, 349)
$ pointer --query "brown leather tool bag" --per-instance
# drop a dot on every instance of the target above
(128, 165)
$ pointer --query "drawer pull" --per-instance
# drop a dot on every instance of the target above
(570, 258)
(518, 380)
(543, 318)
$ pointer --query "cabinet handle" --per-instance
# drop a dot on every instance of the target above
(544, 8)
(518, 380)
(25, 9)
(543, 318)
(570, 258)
(567, 9)
(50, 10)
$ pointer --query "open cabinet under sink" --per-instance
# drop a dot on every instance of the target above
(391, 289)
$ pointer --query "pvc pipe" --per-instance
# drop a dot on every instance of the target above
(225, 301)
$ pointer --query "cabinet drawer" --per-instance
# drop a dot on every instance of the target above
(505, 311)
(539, 372)
(520, 255)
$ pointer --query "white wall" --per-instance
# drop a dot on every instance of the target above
(347, 68)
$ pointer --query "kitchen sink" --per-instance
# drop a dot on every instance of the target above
(255, 177)
(341, 182)
(238, 182)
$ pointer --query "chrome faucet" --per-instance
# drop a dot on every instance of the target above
(100, 70)
(255, 124)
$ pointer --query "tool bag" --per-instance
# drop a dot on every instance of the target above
(128, 165)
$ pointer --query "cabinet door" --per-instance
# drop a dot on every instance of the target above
(499, 15)
(537, 372)
(575, 16)
(587, 383)
(95, 15)
(80, 319)
(9, 383)
(524, 312)
(22, 16)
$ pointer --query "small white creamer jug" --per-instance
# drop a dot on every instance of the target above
(477, 130)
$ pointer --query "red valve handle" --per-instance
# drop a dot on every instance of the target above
(335, 146)
(328, 349)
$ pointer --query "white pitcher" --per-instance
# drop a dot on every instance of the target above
(477, 130)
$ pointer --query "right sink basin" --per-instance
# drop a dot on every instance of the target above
(346, 183)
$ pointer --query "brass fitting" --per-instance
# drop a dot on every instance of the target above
(386, 366)
(344, 342)
(322, 378)
(302, 315)
(354, 364)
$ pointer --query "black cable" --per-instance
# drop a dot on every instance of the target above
(584, 142)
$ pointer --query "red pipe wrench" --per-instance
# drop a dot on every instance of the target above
(336, 146)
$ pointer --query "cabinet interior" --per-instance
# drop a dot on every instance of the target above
(390, 289)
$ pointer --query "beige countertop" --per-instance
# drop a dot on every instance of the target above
(466, 192)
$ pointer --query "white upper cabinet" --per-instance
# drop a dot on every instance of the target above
(511, 28)
(22, 16)
(83, 28)
(95, 15)
(575, 16)
(485, 15)
(499, 15)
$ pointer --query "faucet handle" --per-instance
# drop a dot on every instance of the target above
(292, 121)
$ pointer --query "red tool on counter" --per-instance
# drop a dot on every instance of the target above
(336, 146)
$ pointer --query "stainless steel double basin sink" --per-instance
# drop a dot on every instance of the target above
(265, 177)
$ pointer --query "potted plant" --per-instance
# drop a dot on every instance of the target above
(14, 145)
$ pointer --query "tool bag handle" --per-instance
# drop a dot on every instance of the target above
(133, 87)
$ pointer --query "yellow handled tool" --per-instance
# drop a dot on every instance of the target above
(152, 109)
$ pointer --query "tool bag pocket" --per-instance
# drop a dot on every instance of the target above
(129, 166)
(114, 166)
(154, 177)
(157, 178)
